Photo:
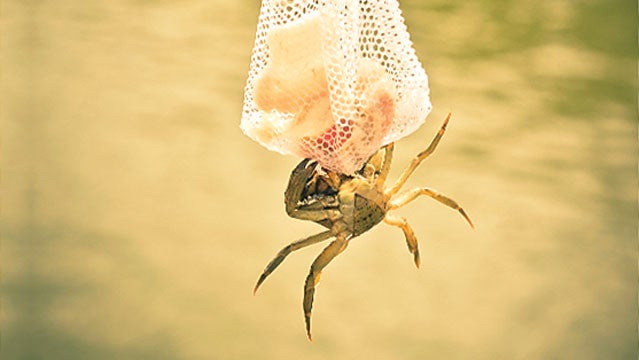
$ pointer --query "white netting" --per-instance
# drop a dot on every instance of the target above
(333, 80)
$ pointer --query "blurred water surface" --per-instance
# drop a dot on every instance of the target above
(136, 216)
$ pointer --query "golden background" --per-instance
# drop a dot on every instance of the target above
(136, 217)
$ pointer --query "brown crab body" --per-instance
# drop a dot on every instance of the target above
(362, 206)
(348, 206)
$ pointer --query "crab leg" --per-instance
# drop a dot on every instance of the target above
(418, 160)
(329, 253)
(314, 239)
(388, 159)
(410, 195)
(411, 240)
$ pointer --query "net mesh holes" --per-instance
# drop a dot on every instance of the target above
(333, 80)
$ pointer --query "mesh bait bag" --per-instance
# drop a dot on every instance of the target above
(333, 80)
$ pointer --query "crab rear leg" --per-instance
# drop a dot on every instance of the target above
(329, 253)
(418, 160)
(384, 168)
(409, 234)
(410, 195)
(277, 260)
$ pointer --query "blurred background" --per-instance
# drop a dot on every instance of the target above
(136, 217)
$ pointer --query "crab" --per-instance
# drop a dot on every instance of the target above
(348, 206)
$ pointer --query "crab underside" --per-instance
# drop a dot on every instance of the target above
(348, 206)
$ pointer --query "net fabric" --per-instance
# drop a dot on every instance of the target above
(333, 80)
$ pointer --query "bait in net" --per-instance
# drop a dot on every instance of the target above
(333, 80)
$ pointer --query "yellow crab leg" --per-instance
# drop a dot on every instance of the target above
(329, 253)
(418, 159)
(386, 164)
(277, 260)
(411, 240)
(410, 195)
